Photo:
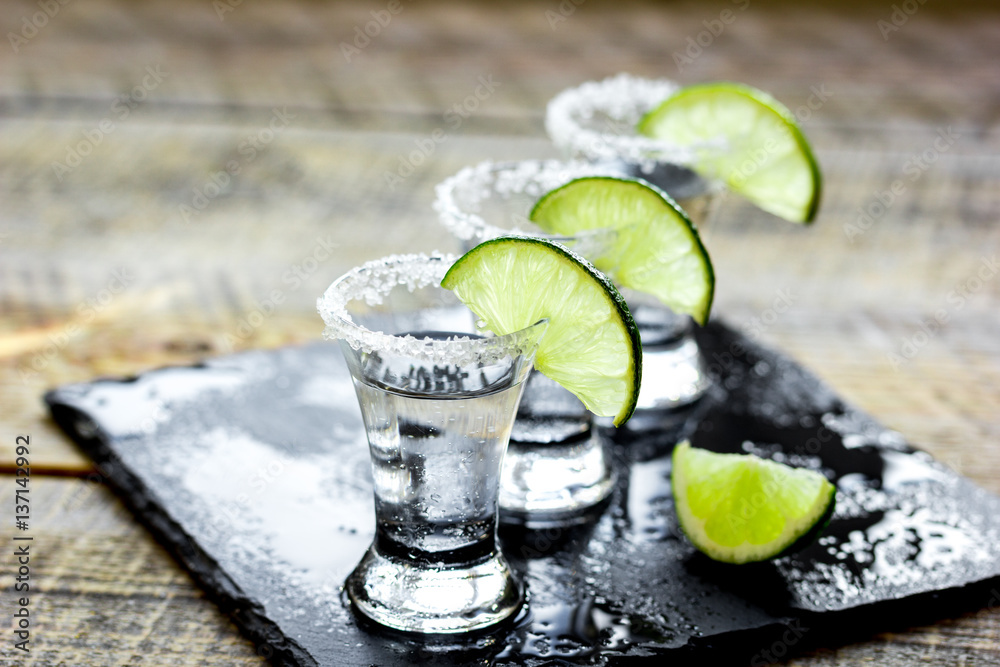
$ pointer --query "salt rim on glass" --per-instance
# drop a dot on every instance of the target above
(458, 198)
(572, 121)
(374, 280)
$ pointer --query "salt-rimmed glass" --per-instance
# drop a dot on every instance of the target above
(558, 465)
(597, 122)
(438, 400)
(493, 199)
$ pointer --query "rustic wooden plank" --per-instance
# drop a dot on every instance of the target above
(104, 593)
(195, 283)
(431, 55)
(61, 240)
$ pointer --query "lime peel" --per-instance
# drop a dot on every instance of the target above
(654, 247)
(739, 508)
(591, 346)
(768, 159)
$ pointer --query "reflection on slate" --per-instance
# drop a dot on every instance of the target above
(254, 470)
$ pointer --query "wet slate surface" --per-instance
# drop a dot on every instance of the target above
(253, 470)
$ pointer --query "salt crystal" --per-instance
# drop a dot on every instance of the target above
(373, 281)
(597, 121)
(461, 199)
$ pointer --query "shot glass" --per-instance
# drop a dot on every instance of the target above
(438, 401)
(493, 199)
(558, 467)
(596, 122)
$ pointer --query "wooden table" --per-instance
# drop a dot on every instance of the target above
(169, 168)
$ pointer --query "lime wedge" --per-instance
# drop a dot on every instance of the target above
(591, 346)
(655, 249)
(738, 508)
(768, 161)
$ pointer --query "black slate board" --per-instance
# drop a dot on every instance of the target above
(253, 469)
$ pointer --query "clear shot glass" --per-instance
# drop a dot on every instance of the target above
(558, 467)
(438, 401)
(596, 122)
(495, 198)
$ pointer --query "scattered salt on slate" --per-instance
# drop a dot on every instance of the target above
(254, 470)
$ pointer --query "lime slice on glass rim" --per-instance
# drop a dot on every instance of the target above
(739, 508)
(655, 248)
(768, 161)
(591, 345)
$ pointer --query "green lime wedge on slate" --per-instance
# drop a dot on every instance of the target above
(768, 161)
(739, 508)
(655, 250)
(591, 345)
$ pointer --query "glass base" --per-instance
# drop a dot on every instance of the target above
(673, 375)
(557, 483)
(430, 600)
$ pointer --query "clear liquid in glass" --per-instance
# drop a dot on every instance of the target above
(437, 439)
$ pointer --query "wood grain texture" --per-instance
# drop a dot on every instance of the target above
(104, 593)
(103, 273)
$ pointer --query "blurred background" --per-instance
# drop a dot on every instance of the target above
(183, 179)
